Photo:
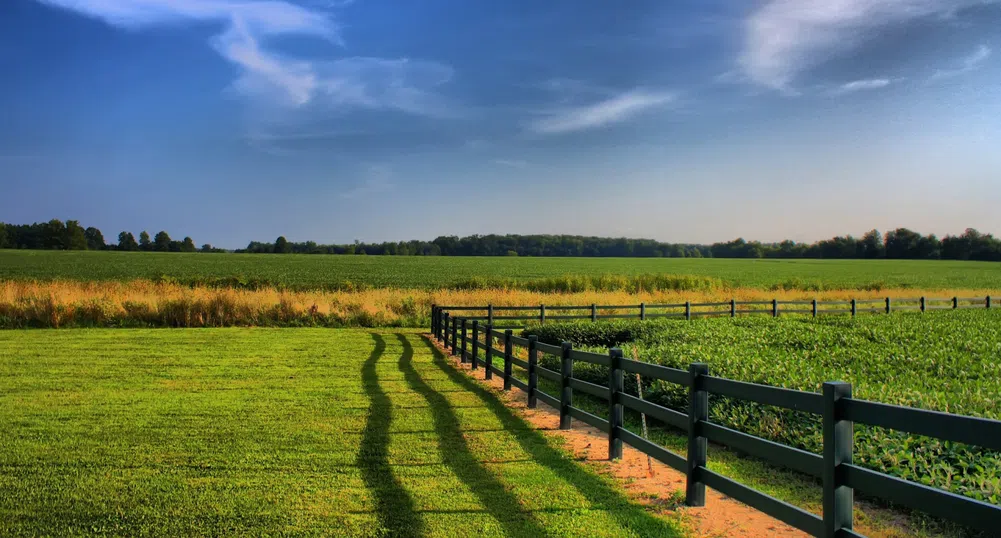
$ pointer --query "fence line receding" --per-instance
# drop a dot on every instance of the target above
(688, 310)
(473, 341)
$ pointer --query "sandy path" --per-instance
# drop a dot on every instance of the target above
(721, 516)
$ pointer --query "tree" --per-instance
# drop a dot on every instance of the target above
(187, 245)
(95, 239)
(54, 235)
(75, 237)
(144, 242)
(871, 246)
(161, 243)
(902, 244)
(127, 242)
(281, 245)
(3, 235)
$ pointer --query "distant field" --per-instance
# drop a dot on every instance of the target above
(339, 272)
(292, 432)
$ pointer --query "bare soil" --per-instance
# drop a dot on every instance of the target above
(648, 482)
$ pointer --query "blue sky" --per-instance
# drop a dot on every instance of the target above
(688, 121)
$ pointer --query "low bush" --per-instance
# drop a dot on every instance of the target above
(605, 334)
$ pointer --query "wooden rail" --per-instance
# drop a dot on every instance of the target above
(836, 409)
(774, 308)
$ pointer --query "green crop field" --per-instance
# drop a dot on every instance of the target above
(277, 432)
(945, 361)
(315, 271)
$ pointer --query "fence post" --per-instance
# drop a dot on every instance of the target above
(887, 305)
(854, 308)
(594, 312)
(955, 302)
(542, 313)
(490, 314)
(615, 412)
(688, 311)
(533, 374)
(566, 392)
(733, 308)
(775, 308)
(814, 308)
(988, 301)
(922, 304)
(434, 321)
(455, 329)
(642, 311)
(838, 436)
(698, 412)
(507, 359)
(476, 341)
(488, 353)
(462, 352)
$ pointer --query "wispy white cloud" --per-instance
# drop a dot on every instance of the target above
(969, 63)
(786, 37)
(861, 85)
(402, 84)
(512, 163)
(246, 24)
(613, 110)
(376, 180)
(277, 79)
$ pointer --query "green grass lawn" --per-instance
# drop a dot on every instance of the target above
(277, 432)
(308, 271)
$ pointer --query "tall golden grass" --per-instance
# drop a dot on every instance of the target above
(156, 304)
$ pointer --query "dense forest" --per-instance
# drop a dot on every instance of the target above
(70, 235)
(897, 244)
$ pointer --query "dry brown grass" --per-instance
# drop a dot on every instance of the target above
(151, 304)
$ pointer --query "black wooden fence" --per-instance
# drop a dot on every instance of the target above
(837, 410)
(510, 315)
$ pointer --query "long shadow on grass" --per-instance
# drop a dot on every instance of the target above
(393, 504)
(596, 490)
(503, 505)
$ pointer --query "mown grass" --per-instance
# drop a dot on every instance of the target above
(305, 272)
(259, 432)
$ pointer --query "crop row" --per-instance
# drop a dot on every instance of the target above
(348, 273)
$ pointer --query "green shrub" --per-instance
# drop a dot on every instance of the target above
(587, 334)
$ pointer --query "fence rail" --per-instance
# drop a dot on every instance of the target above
(835, 407)
(691, 310)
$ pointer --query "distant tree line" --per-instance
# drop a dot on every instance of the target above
(897, 244)
(70, 235)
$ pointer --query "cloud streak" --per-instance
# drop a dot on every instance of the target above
(273, 78)
(600, 114)
(785, 37)
(862, 85)
(246, 24)
(970, 63)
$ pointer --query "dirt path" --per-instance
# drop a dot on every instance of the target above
(663, 491)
